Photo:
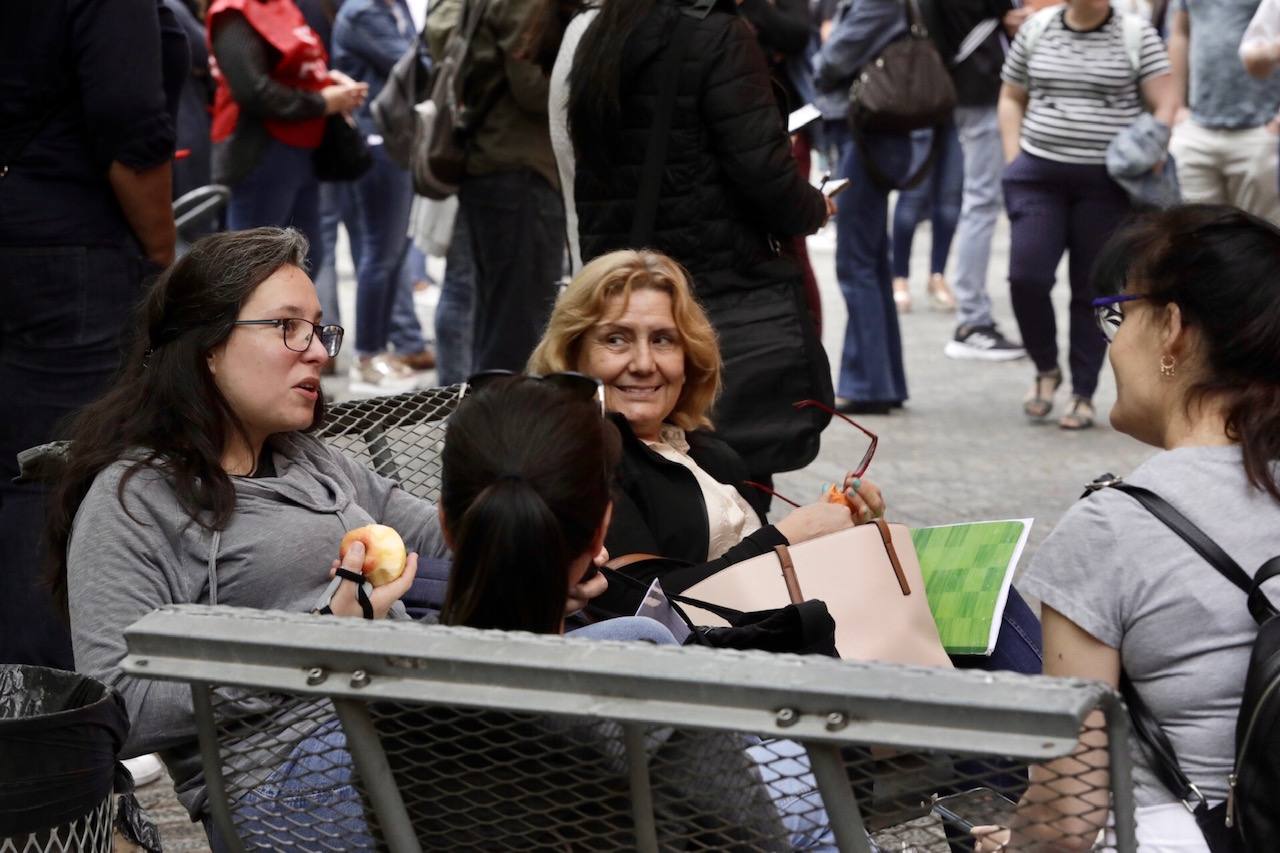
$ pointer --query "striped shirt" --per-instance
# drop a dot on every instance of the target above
(1083, 87)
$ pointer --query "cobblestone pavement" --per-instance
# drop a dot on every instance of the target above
(961, 450)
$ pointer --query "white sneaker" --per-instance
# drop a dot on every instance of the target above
(983, 343)
(381, 375)
(144, 769)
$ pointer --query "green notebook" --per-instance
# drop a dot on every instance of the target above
(968, 569)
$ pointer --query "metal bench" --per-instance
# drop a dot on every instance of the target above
(503, 741)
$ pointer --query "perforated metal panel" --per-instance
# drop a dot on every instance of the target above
(399, 437)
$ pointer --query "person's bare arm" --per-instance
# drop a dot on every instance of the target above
(144, 198)
(1010, 111)
(1162, 97)
(1179, 47)
(1068, 800)
(1260, 47)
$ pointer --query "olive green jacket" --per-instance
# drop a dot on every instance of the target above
(513, 133)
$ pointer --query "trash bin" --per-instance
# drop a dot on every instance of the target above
(59, 736)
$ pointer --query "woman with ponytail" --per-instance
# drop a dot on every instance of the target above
(1192, 310)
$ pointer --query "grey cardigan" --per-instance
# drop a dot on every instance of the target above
(132, 553)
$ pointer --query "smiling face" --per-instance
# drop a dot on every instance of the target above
(636, 351)
(270, 387)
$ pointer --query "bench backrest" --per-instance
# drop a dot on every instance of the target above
(491, 740)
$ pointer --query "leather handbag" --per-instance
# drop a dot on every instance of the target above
(907, 87)
(869, 577)
(343, 154)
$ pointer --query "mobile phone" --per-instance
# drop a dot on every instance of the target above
(831, 189)
(975, 807)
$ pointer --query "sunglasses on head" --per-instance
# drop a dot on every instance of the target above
(578, 384)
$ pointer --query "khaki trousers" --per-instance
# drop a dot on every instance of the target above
(1236, 167)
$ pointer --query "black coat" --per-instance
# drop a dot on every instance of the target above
(658, 509)
(730, 180)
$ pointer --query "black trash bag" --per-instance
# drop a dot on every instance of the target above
(59, 736)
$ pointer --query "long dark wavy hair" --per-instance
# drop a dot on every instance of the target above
(1221, 267)
(527, 473)
(595, 84)
(164, 409)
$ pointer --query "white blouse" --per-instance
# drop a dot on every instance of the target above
(729, 517)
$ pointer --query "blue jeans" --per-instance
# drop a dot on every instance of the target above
(936, 198)
(308, 798)
(282, 190)
(63, 313)
(338, 206)
(455, 312)
(1019, 646)
(406, 330)
(383, 197)
(871, 368)
(979, 134)
(516, 222)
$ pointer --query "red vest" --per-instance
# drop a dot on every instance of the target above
(303, 65)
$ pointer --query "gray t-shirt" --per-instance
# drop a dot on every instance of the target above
(1183, 631)
(1222, 95)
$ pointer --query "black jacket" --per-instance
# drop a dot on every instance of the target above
(730, 180)
(949, 22)
(658, 509)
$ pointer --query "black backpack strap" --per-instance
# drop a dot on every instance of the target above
(1260, 607)
(1164, 758)
(655, 155)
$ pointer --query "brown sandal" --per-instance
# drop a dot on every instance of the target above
(1079, 415)
(1039, 400)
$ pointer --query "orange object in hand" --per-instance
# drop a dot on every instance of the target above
(835, 496)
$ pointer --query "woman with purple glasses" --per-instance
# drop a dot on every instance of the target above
(1193, 316)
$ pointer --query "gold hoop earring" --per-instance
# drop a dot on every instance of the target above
(1167, 366)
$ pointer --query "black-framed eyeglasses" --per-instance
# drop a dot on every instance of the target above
(579, 384)
(298, 333)
(1108, 314)
(867, 455)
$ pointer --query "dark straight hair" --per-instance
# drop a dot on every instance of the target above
(595, 83)
(528, 470)
(164, 410)
(1221, 267)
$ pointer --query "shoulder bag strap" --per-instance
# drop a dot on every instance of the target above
(655, 155)
(1164, 758)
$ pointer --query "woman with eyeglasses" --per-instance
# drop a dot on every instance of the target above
(1193, 315)
(194, 479)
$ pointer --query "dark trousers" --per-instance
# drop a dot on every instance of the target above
(1055, 207)
(871, 368)
(282, 190)
(62, 311)
(936, 198)
(516, 223)
(383, 196)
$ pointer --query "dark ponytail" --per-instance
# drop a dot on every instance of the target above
(527, 475)
(1221, 267)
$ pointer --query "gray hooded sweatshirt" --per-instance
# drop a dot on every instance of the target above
(127, 558)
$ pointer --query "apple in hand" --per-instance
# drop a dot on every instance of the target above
(384, 553)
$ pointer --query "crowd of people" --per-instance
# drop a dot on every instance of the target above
(629, 301)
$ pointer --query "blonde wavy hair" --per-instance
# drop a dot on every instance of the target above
(585, 303)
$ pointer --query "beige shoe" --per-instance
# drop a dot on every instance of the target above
(902, 295)
(380, 374)
(940, 296)
(1079, 414)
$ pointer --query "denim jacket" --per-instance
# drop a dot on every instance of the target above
(368, 37)
(862, 30)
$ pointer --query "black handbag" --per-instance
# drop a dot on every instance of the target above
(407, 85)
(343, 154)
(907, 87)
